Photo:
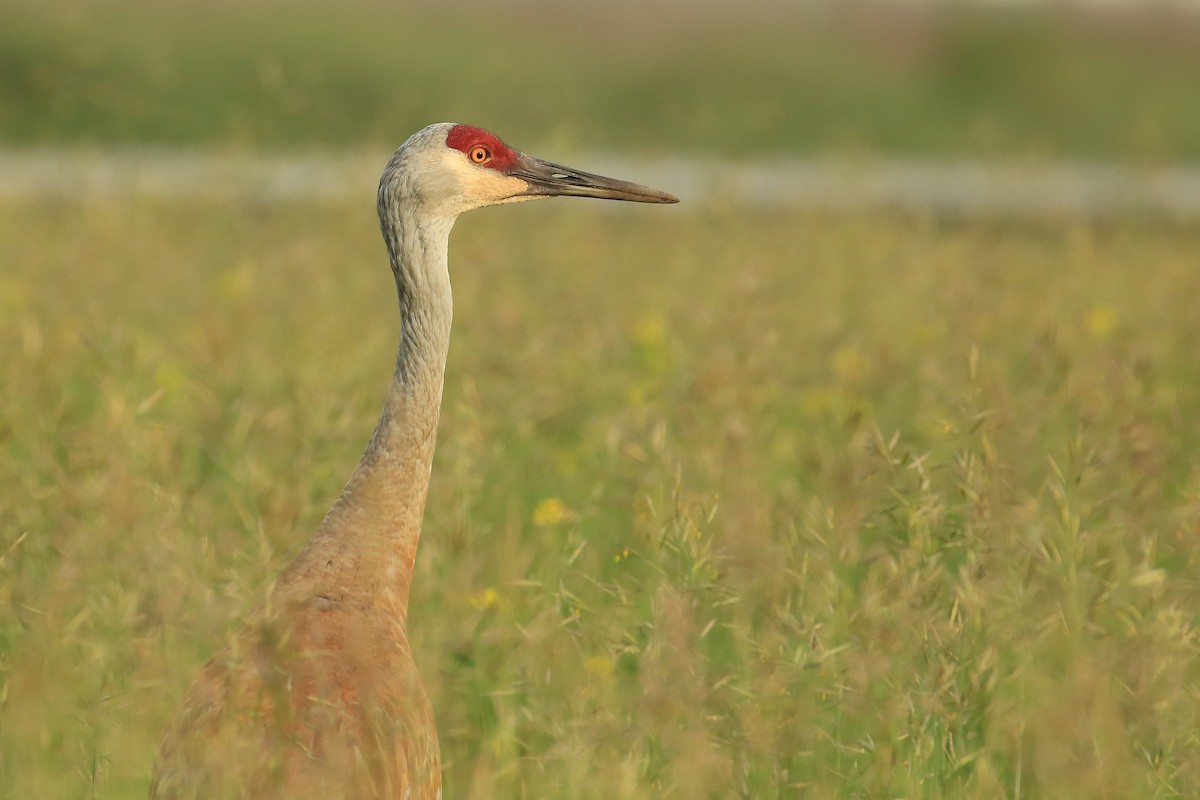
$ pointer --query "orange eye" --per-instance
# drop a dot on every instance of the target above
(480, 154)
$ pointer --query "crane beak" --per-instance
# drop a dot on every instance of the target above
(546, 179)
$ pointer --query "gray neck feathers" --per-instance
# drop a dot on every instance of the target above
(364, 550)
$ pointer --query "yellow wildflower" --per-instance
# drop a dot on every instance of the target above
(549, 512)
(1101, 320)
(650, 331)
(485, 599)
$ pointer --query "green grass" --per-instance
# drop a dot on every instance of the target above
(667, 76)
(725, 505)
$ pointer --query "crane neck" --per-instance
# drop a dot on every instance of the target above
(364, 550)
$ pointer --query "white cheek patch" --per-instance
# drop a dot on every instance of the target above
(490, 186)
(481, 186)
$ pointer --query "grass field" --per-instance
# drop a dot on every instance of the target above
(727, 503)
(724, 506)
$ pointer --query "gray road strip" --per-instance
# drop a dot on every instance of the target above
(951, 187)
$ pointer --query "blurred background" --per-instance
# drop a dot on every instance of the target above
(764, 102)
(1029, 79)
(868, 470)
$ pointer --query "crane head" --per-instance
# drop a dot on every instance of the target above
(460, 167)
(484, 150)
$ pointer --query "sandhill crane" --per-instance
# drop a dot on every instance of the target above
(317, 695)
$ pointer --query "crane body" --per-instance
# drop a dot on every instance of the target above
(317, 695)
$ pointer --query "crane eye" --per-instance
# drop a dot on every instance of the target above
(480, 154)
